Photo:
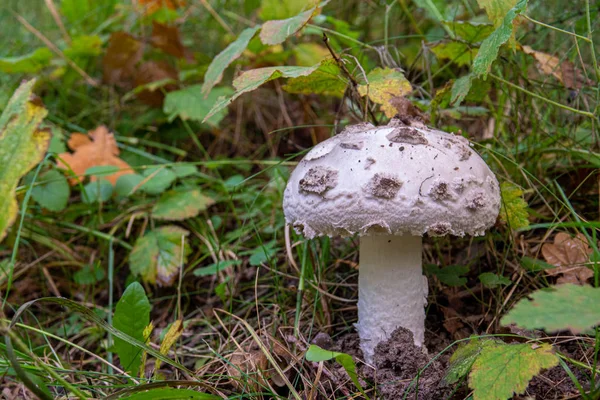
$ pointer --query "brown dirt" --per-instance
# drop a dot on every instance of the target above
(398, 362)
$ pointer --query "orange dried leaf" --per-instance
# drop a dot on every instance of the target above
(167, 39)
(564, 71)
(569, 256)
(123, 53)
(151, 6)
(98, 148)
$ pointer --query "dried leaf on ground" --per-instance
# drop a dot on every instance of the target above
(564, 71)
(155, 71)
(168, 39)
(385, 84)
(152, 6)
(123, 53)
(569, 256)
(250, 368)
(97, 148)
(22, 146)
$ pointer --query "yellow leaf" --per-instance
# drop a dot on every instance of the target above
(384, 85)
(22, 146)
(169, 340)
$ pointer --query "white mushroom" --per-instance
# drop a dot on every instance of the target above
(391, 185)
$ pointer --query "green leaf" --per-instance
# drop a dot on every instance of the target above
(534, 265)
(450, 275)
(101, 170)
(460, 89)
(491, 280)
(182, 170)
(214, 73)
(385, 84)
(251, 80)
(488, 52)
(463, 358)
(513, 210)
(89, 274)
(126, 183)
(282, 9)
(28, 63)
(308, 54)
(132, 314)
(262, 254)
(317, 354)
(276, 31)
(212, 269)
(159, 179)
(157, 256)
(505, 369)
(84, 46)
(189, 103)
(469, 31)
(98, 191)
(497, 9)
(558, 308)
(57, 143)
(53, 192)
(22, 146)
(177, 205)
(168, 394)
(458, 52)
(490, 46)
(326, 80)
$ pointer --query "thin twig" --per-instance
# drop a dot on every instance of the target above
(57, 20)
(353, 82)
(91, 81)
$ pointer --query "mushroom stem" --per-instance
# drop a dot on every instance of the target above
(392, 291)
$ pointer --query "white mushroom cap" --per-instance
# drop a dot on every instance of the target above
(395, 179)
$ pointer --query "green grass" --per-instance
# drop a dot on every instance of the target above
(278, 290)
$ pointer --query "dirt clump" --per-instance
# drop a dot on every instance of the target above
(398, 363)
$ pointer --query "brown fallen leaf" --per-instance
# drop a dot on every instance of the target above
(569, 256)
(123, 53)
(154, 71)
(152, 6)
(251, 369)
(167, 39)
(97, 148)
(564, 71)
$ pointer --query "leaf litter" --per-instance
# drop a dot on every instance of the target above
(569, 255)
(97, 148)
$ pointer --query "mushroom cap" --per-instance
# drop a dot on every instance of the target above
(394, 180)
